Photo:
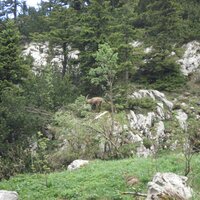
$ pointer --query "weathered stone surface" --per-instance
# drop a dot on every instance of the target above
(142, 151)
(153, 94)
(168, 186)
(160, 111)
(8, 195)
(182, 119)
(77, 164)
(134, 138)
(160, 130)
(191, 58)
(41, 54)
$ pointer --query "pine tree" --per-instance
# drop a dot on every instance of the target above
(93, 23)
(12, 69)
(62, 22)
(122, 34)
(162, 21)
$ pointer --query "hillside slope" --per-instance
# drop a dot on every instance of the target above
(101, 179)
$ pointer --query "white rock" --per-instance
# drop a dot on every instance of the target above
(168, 103)
(77, 164)
(160, 111)
(153, 94)
(191, 58)
(8, 195)
(134, 138)
(148, 49)
(182, 119)
(168, 186)
(160, 129)
(144, 123)
(174, 145)
(141, 121)
(158, 95)
(41, 55)
(150, 119)
(142, 151)
(184, 104)
(136, 43)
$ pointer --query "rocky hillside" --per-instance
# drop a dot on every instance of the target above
(43, 55)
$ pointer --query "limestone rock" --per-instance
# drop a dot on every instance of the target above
(77, 164)
(142, 151)
(168, 186)
(155, 95)
(160, 130)
(182, 119)
(8, 195)
(141, 122)
(191, 58)
(134, 138)
(40, 53)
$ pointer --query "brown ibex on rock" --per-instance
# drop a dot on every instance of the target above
(95, 102)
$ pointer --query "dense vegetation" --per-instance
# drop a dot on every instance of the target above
(36, 106)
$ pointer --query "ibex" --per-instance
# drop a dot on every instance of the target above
(95, 101)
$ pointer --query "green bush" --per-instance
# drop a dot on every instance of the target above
(147, 143)
(17, 126)
(39, 161)
(146, 103)
(79, 107)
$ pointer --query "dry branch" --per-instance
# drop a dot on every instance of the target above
(135, 194)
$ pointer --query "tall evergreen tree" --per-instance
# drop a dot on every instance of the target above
(122, 34)
(62, 23)
(162, 21)
(93, 31)
(9, 8)
(12, 69)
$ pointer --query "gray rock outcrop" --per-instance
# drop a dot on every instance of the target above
(42, 55)
(190, 61)
(168, 186)
(8, 195)
(151, 126)
(182, 117)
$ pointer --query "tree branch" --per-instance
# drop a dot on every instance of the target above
(135, 194)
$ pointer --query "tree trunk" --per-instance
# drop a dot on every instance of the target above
(15, 10)
(64, 63)
(112, 108)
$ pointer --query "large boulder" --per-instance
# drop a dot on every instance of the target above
(77, 164)
(168, 186)
(8, 195)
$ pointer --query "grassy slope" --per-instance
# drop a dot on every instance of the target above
(100, 179)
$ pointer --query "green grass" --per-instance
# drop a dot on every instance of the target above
(103, 180)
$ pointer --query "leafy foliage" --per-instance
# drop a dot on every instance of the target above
(146, 103)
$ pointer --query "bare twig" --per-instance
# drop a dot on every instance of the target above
(38, 111)
(104, 135)
(135, 194)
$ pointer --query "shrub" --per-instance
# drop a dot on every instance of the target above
(146, 103)
(79, 107)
